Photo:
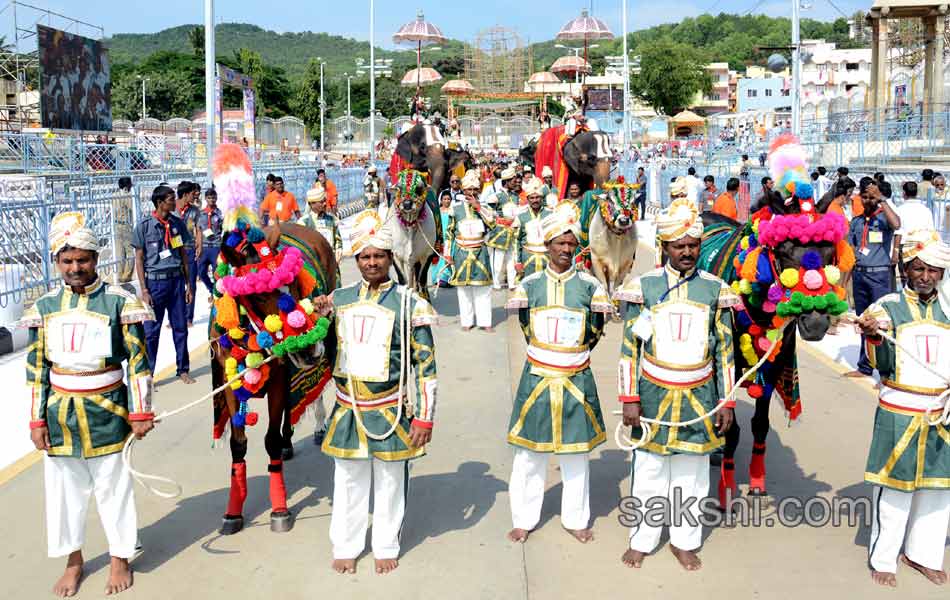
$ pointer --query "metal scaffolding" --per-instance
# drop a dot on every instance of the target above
(499, 62)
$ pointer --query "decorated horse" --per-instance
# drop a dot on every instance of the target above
(414, 231)
(267, 339)
(613, 234)
(787, 269)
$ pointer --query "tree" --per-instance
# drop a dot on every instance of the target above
(670, 75)
(196, 37)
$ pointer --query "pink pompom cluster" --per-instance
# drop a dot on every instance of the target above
(264, 280)
(831, 227)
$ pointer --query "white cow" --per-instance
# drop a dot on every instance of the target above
(613, 235)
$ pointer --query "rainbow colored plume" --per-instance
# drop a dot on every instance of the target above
(788, 166)
(234, 181)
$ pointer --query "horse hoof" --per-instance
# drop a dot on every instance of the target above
(281, 522)
(231, 525)
(757, 492)
(287, 453)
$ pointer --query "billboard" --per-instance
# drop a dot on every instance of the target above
(604, 99)
(75, 81)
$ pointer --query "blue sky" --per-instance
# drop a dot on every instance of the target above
(537, 20)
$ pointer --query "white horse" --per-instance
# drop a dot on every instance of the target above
(613, 236)
(413, 228)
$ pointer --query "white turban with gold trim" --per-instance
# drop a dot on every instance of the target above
(680, 219)
(368, 230)
(678, 188)
(471, 180)
(316, 193)
(534, 187)
(562, 219)
(69, 229)
(926, 245)
(508, 173)
(547, 172)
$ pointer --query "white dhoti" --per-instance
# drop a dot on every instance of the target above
(658, 476)
(474, 305)
(69, 483)
(352, 482)
(915, 520)
(526, 489)
(503, 264)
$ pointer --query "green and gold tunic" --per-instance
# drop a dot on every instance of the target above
(369, 333)
(907, 452)
(585, 208)
(529, 245)
(556, 408)
(466, 237)
(502, 237)
(326, 226)
(685, 367)
(77, 346)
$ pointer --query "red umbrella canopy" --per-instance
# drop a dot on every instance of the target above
(570, 64)
(422, 76)
(585, 27)
(458, 87)
(544, 77)
(419, 31)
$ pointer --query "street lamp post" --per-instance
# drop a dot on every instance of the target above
(322, 104)
(209, 85)
(626, 82)
(349, 115)
(372, 83)
(144, 79)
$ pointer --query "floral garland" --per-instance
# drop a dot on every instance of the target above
(793, 291)
(625, 203)
(293, 328)
(407, 181)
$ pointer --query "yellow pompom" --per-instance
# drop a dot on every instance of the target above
(789, 277)
(745, 340)
(307, 305)
(273, 323)
(230, 364)
(236, 384)
(832, 274)
(755, 226)
(745, 287)
(744, 244)
(236, 333)
(242, 310)
(735, 287)
(253, 360)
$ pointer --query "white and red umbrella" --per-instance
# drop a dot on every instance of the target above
(586, 28)
(570, 64)
(421, 33)
(543, 77)
(457, 87)
(420, 77)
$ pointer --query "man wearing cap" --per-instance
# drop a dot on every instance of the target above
(502, 234)
(676, 364)
(529, 243)
(468, 255)
(556, 409)
(373, 188)
(551, 198)
(909, 460)
(374, 428)
(161, 264)
(82, 409)
(323, 222)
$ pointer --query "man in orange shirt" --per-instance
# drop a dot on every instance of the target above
(330, 188)
(727, 202)
(279, 205)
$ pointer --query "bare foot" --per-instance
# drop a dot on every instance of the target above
(68, 584)
(466, 328)
(687, 558)
(885, 579)
(633, 558)
(488, 329)
(186, 378)
(581, 535)
(519, 536)
(120, 576)
(935, 577)
(385, 565)
(344, 566)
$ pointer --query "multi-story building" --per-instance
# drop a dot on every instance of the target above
(766, 92)
(718, 99)
(833, 79)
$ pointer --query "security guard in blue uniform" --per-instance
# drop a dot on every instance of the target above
(161, 262)
(209, 225)
(189, 213)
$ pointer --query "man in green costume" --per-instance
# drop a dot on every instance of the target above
(676, 365)
(556, 409)
(529, 244)
(82, 408)
(501, 236)
(471, 277)
(909, 460)
(374, 429)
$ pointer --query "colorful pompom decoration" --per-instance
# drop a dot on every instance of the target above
(273, 323)
(789, 278)
(296, 319)
(832, 274)
(812, 279)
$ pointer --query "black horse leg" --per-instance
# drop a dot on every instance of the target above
(287, 436)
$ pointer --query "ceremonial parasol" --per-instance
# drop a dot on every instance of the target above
(421, 33)
(419, 77)
(544, 77)
(570, 64)
(456, 87)
(584, 28)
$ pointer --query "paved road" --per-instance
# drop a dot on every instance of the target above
(453, 541)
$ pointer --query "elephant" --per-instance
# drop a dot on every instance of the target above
(586, 156)
(435, 159)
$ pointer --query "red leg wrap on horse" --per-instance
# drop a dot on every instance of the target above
(238, 489)
(757, 468)
(727, 482)
(278, 492)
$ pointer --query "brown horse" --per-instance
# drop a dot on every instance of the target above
(294, 381)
